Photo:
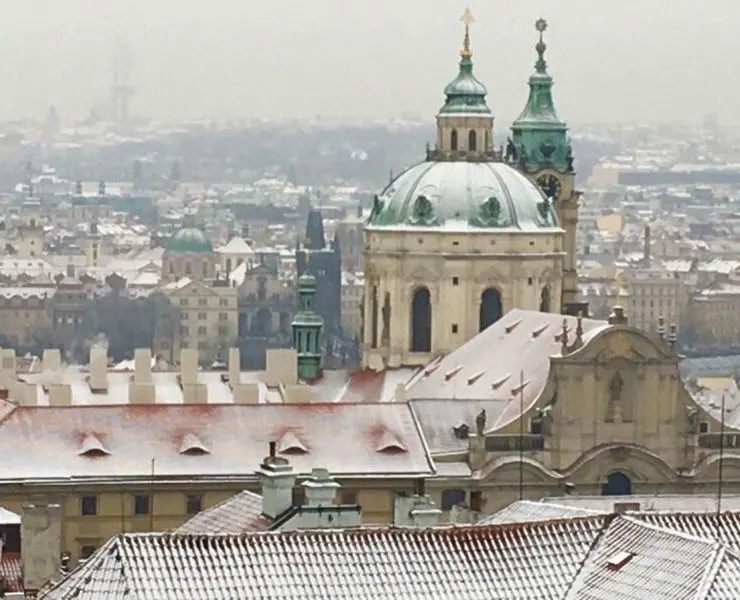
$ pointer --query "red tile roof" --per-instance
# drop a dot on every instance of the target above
(240, 514)
(340, 437)
(11, 571)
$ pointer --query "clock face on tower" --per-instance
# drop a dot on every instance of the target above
(550, 185)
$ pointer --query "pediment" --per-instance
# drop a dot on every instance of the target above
(624, 344)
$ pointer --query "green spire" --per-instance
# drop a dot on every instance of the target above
(307, 326)
(465, 94)
(539, 136)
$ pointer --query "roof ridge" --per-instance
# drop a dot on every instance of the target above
(608, 520)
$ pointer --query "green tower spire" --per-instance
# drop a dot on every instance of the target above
(465, 94)
(539, 137)
(307, 325)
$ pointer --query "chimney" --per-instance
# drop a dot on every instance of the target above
(98, 369)
(617, 317)
(141, 390)
(321, 489)
(646, 247)
(278, 479)
(417, 509)
(246, 393)
(41, 544)
(188, 366)
(282, 366)
(234, 367)
(60, 394)
(51, 360)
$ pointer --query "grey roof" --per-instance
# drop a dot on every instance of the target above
(239, 514)
(525, 511)
(593, 558)
(717, 366)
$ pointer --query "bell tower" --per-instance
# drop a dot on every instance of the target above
(539, 147)
(31, 230)
(307, 325)
(464, 123)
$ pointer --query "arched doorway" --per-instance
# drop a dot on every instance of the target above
(490, 308)
(617, 484)
(545, 299)
(472, 141)
(453, 140)
(421, 321)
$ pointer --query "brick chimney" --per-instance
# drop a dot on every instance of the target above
(41, 544)
(278, 479)
(192, 391)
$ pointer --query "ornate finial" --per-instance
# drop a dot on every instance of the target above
(579, 331)
(564, 338)
(541, 26)
(467, 19)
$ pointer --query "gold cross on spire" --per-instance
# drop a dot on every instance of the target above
(467, 19)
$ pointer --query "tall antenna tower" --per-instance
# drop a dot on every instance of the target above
(121, 91)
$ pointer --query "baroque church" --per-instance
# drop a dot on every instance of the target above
(456, 241)
(470, 283)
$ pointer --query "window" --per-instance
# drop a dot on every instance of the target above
(202, 301)
(455, 280)
(88, 506)
(205, 269)
(703, 427)
(193, 504)
(223, 316)
(223, 331)
(184, 302)
(348, 497)
(202, 330)
(299, 495)
(454, 328)
(452, 497)
(223, 301)
(86, 551)
(202, 316)
(188, 269)
(141, 504)
(476, 501)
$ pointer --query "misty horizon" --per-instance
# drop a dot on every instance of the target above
(230, 59)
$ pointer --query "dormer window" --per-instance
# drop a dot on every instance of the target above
(290, 444)
(389, 444)
(192, 445)
(92, 447)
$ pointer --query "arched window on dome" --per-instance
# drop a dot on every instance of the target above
(421, 321)
(617, 484)
(472, 141)
(453, 140)
(490, 308)
(545, 299)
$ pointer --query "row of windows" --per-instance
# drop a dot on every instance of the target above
(204, 316)
(141, 504)
(204, 301)
(223, 331)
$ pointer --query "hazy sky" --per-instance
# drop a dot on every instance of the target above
(613, 60)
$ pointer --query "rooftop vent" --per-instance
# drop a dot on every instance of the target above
(618, 560)
(192, 445)
(513, 326)
(389, 444)
(92, 447)
(476, 377)
(451, 373)
(538, 332)
(497, 384)
(462, 431)
(290, 444)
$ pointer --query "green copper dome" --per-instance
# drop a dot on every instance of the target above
(462, 195)
(538, 135)
(189, 239)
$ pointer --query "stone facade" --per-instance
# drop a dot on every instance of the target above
(521, 269)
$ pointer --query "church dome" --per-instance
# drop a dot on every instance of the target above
(462, 195)
(189, 239)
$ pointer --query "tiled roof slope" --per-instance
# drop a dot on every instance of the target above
(524, 511)
(532, 561)
(724, 527)
(635, 561)
(239, 514)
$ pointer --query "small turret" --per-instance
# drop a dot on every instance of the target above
(307, 325)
